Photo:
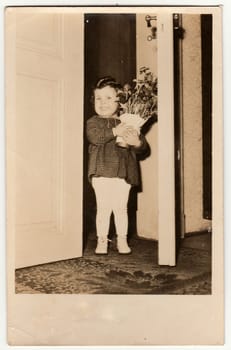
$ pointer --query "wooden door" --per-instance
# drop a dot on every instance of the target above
(44, 105)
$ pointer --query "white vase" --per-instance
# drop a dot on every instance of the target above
(133, 120)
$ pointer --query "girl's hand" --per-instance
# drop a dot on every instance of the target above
(132, 138)
(121, 129)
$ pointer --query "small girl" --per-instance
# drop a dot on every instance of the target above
(112, 169)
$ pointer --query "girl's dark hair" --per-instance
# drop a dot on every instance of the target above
(105, 81)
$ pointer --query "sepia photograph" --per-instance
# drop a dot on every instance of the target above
(114, 170)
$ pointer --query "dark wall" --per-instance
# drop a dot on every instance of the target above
(110, 49)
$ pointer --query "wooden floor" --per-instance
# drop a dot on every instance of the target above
(137, 273)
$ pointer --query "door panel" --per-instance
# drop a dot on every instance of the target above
(36, 161)
(48, 141)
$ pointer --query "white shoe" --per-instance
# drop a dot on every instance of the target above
(122, 245)
(102, 243)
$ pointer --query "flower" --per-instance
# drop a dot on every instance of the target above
(141, 99)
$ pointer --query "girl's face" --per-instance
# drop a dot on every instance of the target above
(106, 103)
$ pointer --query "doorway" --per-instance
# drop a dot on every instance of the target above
(110, 49)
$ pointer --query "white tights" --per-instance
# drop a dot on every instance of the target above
(111, 196)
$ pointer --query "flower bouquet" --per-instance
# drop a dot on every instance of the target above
(138, 103)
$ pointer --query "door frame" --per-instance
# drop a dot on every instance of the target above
(178, 34)
(166, 143)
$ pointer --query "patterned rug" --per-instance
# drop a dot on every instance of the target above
(137, 273)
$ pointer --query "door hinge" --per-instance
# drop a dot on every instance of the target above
(153, 28)
(178, 29)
